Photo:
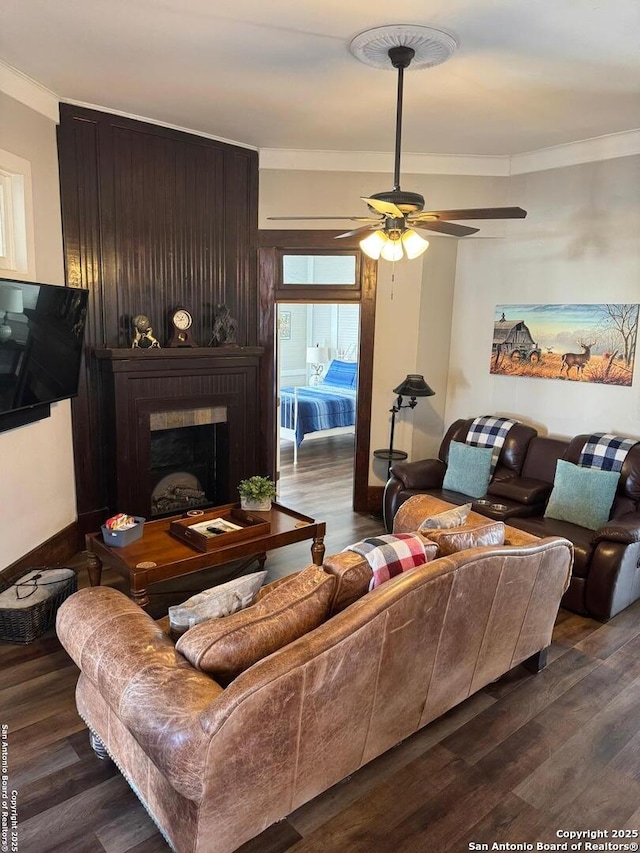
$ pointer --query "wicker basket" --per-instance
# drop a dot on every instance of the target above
(25, 623)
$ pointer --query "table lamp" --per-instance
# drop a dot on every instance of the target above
(317, 357)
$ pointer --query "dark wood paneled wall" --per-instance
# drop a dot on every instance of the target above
(152, 218)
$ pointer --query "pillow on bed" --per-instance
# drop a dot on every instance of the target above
(343, 373)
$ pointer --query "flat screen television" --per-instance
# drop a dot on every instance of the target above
(41, 339)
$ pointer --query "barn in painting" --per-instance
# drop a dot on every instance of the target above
(512, 339)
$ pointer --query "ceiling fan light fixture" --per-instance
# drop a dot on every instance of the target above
(373, 245)
(414, 245)
(392, 251)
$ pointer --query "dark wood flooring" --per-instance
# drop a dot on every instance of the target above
(527, 756)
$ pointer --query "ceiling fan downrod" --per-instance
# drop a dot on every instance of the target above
(400, 57)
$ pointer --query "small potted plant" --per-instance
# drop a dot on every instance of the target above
(256, 493)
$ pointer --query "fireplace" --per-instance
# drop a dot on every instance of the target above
(182, 427)
(188, 459)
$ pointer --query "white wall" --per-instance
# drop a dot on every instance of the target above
(580, 243)
(38, 490)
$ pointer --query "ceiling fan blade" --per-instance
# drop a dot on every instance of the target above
(340, 216)
(384, 207)
(444, 228)
(473, 213)
(359, 230)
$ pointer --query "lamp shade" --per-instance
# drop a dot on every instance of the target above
(392, 251)
(11, 299)
(414, 244)
(414, 386)
(374, 244)
(317, 355)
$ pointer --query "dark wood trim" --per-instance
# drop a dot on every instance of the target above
(175, 354)
(375, 496)
(272, 243)
(89, 522)
(320, 293)
(321, 239)
(369, 279)
(57, 549)
(267, 271)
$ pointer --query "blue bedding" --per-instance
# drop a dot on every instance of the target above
(320, 407)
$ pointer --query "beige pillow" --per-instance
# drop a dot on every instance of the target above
(451, 518)
(226, 647)
(466, 536)
(221, 600)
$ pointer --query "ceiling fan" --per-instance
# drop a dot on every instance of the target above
(396, 216)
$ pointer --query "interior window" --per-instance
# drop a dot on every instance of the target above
(319, 269)
(15, 174)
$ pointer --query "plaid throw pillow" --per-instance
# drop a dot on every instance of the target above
(391, 555)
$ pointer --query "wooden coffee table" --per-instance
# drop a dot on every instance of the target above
(159, 556)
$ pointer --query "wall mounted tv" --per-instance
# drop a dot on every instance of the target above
(41, 335)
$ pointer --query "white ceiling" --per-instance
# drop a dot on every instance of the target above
(528, 74)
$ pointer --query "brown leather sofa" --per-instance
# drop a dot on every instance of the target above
(426, 476)
(215, 765)
(606, 572)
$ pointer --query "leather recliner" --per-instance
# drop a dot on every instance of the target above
(426, 476)
(606, 573)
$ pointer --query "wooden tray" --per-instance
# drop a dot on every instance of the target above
(186, 529)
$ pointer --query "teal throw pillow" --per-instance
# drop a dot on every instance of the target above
(582, 496)
(468, 469)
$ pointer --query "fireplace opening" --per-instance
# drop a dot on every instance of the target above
(189, 467)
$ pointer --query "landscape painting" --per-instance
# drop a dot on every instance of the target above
(576, 343)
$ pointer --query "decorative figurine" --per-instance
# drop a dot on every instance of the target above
(224, 328)
(143, 338)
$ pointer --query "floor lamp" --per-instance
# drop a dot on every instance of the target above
(413, 387)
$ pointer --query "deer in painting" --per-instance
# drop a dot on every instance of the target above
(575, 359)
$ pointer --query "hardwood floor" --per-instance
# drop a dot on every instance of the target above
(525, 757)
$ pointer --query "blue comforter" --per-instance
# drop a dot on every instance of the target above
(320, 407)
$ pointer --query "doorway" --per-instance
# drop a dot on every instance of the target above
(282, 257)
(317, 369)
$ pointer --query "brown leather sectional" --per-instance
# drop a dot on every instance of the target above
(216, 765)
(606, 573)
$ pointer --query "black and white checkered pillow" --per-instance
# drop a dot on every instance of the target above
(488, 431)
(605, 451)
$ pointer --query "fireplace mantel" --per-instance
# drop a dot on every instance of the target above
(137, 384)
(177, 354)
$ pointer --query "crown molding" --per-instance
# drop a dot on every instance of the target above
(380, 161)
(29, 92)
(609, 147)
(624, 144)
(158, 123)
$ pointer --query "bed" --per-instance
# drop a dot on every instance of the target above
(328, 408)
